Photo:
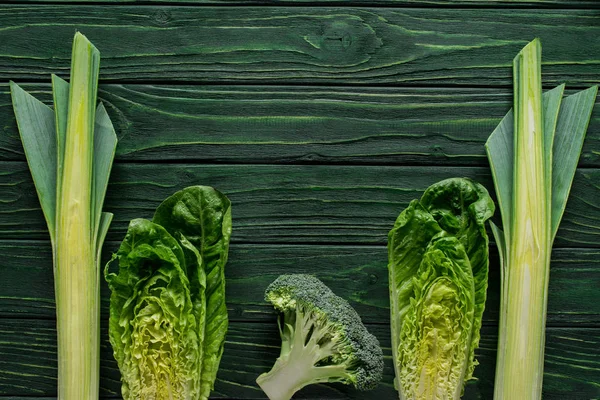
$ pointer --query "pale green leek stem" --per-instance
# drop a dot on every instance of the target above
(77, 277)
(521, 352)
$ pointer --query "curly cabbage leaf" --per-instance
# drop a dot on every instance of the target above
(200, 217)
(438, 267)
(152, 327)
(168, 318)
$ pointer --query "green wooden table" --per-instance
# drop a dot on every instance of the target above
(320, 120)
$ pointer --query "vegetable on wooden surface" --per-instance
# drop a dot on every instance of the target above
(533, 155)
(322, 340)
(438, 271)
(167, 309)
(70, 152)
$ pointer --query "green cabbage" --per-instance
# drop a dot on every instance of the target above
(200, 217)
(438, 267)
(167, 309)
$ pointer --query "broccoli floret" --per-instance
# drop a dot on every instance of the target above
(322, 340)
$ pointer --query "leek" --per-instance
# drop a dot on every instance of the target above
(533, 155)
(70, 151)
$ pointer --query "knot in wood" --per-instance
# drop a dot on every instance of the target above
(162, 17)
(345, 41)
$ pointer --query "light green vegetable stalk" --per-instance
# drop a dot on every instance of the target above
(438, 269)
(533, 154)
(70, 152)
(168, 317)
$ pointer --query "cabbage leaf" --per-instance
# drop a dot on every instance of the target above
(153, 330)
(201, 218)
(168, 318)
(438, 267)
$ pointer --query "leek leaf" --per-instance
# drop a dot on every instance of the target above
(60, 95)
(105, 145)
(573, 118)
(501, 244)
(105, 220)
(573, 121)
(551, 102)
(500, 150)
(35, 121)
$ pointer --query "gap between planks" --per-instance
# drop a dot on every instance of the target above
(231, 163)
(316, 84)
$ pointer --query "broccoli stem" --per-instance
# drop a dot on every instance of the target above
(295, 367)
(295, 370)
(291, 370)
(285, 378)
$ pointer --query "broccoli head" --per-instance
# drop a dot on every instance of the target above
(322, 340)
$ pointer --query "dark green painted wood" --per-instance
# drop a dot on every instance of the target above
(300, 44)
(357, 273)
(27, 356)
(249, 124)
(314, 3)
(285, 204)
(342, 121)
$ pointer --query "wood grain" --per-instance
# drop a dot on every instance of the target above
(300, 44)
(357, 273)
(285, 204)
(385, 145)
(309, 125)
(28, 360)
(315, 3)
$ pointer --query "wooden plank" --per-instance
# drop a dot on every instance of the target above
(28, 363)
(258, 124)
(315, 3)
(285, 204)
(301, 44)
(357, 273)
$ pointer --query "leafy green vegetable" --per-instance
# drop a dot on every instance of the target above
(200, 217)
(167, 314)
(533, 154)
(153, 326)
(322, 340)
(70, 152)
(438, 267)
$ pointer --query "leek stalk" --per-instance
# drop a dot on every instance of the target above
(533, 154)
(70, 152)
(529, 254)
